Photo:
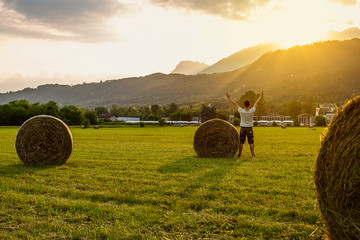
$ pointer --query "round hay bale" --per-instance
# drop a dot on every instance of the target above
(216, 138)
(337, 173)
(43, 140)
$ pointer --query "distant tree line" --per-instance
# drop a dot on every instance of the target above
(173, 112)
(17, 112)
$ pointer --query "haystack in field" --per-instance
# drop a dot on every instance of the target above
(216, 138)
(43, 140)
(337, 174)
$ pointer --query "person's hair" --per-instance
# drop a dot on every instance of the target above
(247, 103)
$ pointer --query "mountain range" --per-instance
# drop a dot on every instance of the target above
(249, 55)
(230, 63)
(329, 71)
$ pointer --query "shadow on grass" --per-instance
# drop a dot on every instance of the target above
(18, 169)
(195, 164)
(203, 172)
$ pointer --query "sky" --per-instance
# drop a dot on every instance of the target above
(76, 41)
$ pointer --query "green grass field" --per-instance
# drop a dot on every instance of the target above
(147, 183)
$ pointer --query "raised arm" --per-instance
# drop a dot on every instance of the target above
(232, 101)
(259, 99)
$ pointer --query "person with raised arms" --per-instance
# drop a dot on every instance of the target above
(246, 123)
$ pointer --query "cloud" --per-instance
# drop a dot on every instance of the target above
(80, 20)
(229, 9)
(345, 2)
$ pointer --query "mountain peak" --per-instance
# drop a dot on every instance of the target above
(347, 34)
(189, 67)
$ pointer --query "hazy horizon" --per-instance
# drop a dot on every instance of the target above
(69, 42)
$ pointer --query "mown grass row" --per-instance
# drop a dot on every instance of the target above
(147, 183)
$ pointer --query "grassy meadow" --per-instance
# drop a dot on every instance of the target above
(148, 183)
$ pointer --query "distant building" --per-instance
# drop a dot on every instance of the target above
(275, 118)
(277, 122)
(128, 119)
(279, 119)
(329, 116)
(196, 119)
(303, 119)
(231, 118)
(107, 117)
(325, 108)
(263, 123)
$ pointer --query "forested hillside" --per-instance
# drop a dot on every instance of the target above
(156, 88)
(328, 71)
(240, 59)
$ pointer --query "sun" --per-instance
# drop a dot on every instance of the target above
(301, 22)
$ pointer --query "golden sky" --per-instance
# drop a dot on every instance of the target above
(67, 41)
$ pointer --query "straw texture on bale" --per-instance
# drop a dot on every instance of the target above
(337, 174)
(216, 138)
(43, 140)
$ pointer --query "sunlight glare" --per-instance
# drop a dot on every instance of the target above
(296, 23)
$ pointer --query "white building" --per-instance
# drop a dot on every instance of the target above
(128, 119)
(329, 116)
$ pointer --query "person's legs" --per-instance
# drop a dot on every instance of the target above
(240, 149)
(242, 141)
(252, 149)
(250, 137)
